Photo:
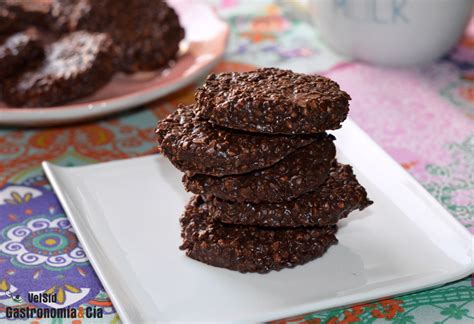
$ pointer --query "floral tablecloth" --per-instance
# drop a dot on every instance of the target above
(423, 117)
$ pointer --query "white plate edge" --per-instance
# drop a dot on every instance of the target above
(81, 234)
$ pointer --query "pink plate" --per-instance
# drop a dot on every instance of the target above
(204, 45)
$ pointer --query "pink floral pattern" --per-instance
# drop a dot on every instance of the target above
(406, 114)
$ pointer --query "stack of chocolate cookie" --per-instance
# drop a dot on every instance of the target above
(269, 191)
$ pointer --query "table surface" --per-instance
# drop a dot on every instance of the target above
(423, 117)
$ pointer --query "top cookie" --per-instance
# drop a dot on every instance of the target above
(270, 100)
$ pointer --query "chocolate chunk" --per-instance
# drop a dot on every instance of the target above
(75, 66)
(247, 248)
(300, 172)
(271, 100)
(30, 12)
(9, 22)
(196, 146)
(335, 199)
(18, 52)
(147, 32)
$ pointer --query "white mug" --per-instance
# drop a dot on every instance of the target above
(391, 32)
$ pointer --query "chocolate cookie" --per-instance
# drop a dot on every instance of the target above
(249, 249)
(30, 12)
(8, 21)
(147, 32)
(196, 146)
(335, 199)
(18, 52)
(75, 66)
(271, 100)
(301, 171)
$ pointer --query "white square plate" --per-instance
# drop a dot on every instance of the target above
(125, 214)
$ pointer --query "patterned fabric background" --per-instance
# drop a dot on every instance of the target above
(424, 118)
